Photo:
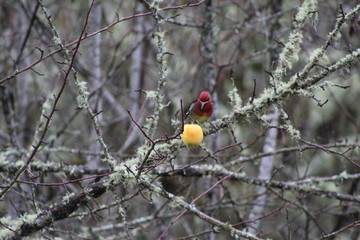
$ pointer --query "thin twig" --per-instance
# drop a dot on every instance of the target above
(163, 235)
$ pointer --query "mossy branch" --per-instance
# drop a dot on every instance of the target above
(308, 186)
(81, 85)
(152, 121)
(269, 96)
(292, 47)
(333, 35)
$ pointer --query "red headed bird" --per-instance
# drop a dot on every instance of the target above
(202, 109)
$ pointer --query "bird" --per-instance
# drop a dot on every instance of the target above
(202, 108)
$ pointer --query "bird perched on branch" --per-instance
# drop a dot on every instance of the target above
(202, 108)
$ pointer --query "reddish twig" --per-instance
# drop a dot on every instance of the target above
(152, 147)
(65, 183)
(53, 110)
(333, 234)
(254, 92)
(284, 206)
(197, 198)
(140, 128)
(8, 228)
(17, 72)
(332, 151)
(204, 158)
(182, 117)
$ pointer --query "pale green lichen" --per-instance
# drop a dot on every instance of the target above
(344, 174)
(347, 60)
(72, 171)
(82, 98)
(15, 224)
(329, 186)
(152, 121)
(122, 211)
(264, 118)
(289, 128)
(162, 106)
(314, 57)
(86, 231)
(266, 96)
(57, 40)
(168, 147)
(142, 150)
(124, 173)
(108, 159)
(151, 94)
(6, 233)
(175, 122)
(294, 133)
(114, 180)
(305, 93)
(235, 98)
(160, 35)
(175, 201)
(45, 109)
(337, 34)
(82, 88)
(290, 53)
(306, 8)
(28, 218)
(67, 197)
(155, 5)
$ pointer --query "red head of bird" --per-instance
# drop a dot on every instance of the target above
(202, 108)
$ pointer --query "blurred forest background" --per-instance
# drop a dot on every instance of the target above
(91, 101)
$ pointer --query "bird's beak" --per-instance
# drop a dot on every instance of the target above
(203, 104)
